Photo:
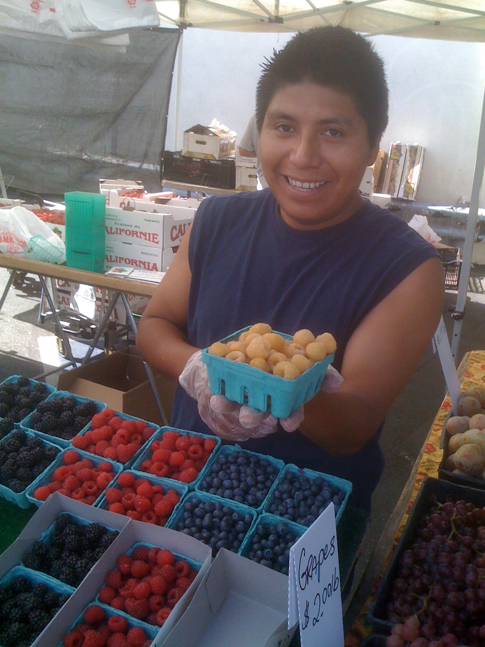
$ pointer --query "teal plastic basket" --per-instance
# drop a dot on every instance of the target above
(40, 249)
(85, 230)
(248, 385)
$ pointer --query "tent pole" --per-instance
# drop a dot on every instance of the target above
(179, 90)
(459, 311)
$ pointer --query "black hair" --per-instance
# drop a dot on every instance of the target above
(335, 57)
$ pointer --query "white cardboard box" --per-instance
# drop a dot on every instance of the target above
(366, 186)
(246, 178)
(161, 230)
(139, 256)
(131, 533)
(200, 141)
(119, 185)
(238, 603)
(245, 160)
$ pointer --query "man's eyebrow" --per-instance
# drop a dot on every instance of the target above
(284, 116)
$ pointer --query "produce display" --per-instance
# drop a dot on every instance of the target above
(77, 478)
(23, 458)
(69, 549)
(113, 437)
(26, 607)
(147, 583)
(18, 398)
(270, 545)
(62, 416)
(54, 216)
(270, 352)
(241, 476)
(177, 456)
(141, 499)
(98, 629)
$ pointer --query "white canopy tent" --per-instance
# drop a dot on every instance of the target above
(458, 20)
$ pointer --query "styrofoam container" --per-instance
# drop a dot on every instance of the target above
(263, 391)
(339, 483)
(204, 497)
(226, 450)
(45, 478)
(61, 442)
(167, 484)
(124, 416)
(147, 452)
(20, 498)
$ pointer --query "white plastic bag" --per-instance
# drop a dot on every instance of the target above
(420, 224)
(18, 226)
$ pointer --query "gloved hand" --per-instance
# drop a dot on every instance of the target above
(228, 420)
(233, 421)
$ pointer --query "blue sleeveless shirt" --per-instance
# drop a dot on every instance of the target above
(249, 266)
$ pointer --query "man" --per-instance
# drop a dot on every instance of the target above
(249, 147)
(308, 252)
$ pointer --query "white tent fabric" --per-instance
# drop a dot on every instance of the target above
(462, 20)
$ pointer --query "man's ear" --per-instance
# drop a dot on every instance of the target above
(373, 153)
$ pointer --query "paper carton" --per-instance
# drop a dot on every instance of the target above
(246, 178)
(366, 185)
(245, 160)
(120, 380)
(238, 603)
(140, 256)
(201, 141)
(120, 186)
(394, 170)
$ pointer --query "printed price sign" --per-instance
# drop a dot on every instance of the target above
(314, 595)
(447, 364)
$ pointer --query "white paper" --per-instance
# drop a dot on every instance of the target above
(316, 579)
(447, 364)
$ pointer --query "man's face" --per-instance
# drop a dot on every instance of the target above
(314, 150)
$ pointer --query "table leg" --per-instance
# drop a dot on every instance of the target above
(101, 326)
(62, 334)
(7, 287)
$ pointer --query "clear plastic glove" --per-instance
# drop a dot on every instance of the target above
(228, 420)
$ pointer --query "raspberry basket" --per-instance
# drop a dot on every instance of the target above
(20, 499)
(227, 450)
(341, 484)
(61, 442)
(248, 385)
(167, 484)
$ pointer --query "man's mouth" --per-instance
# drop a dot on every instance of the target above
(304, 186)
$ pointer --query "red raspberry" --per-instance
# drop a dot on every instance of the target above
(118, 603)
(78, 494)
(110, 453)
(187, 476)
(136, 637)
(209, 444)
(195, 452)
(62, 472)
(128, 500)
(98, 420)
(183, 583)
(126, 479)
(141, 552)
(113, 495)
(79, 442)
(117, 640)
(156, 602)
(85, 474)
(41, 493)
(142, 590)
(130, 426)
(196, 440)
(162, 455)
(117, 508)
(158, 585)
(145, 489)
(174, 596)
(149, 517)
(98, 434)
(176, 459)
(162, 616)
(163, 508)
(173, 496)
(128, 587)
(114, 579)
(159, 469)
(142, 504)
(90, 488)
(118, 623)
(106, 595)
(108, 413)
(123, 564)
(94, 615)
(140, 426)
(103, 480)
(165, 557)
(168, 573)
(54, 486)
(137, 608)
(104, 466)
(124, 453)
(182, 568)
(134, 514)
(70, 457)
(93, 639)
(147, 433)
(140, 569)
(104, 630)
(188, 462)
(145, 465)
(153, 555)
(182, 443)
(73, 639)
(115, 422)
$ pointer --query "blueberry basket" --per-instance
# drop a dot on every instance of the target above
(247, 491)
(20, 498)
(263, 391)
(432, 491)
(335, 486)
(46, 389)
(167, 484)
(147, 453)
(124, 416)
(62, 442)
(273, 554)
(203, 529)
(45, 539)
(45, 478)
(150, 630)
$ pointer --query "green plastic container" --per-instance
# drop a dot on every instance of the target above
(85, 230)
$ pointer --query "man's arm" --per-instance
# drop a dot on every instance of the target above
(379, 360)
(161, 333)
(245, 153)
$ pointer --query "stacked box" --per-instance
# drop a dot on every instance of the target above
(196, 170)
(202, 141)
(85, 234)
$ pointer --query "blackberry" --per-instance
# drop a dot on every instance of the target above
(71, 543)
(48, 423)
(19, 436)
(98, 553)
(57, 405)
(50, 600)
(38, 619)
(67, 575)
(36, 455)
(69, 432)
(66, 418)
(35, 562)
(107, 539)
(82, 568)
(21, 584)
(24, 474)
(17, 632)
(69, 403)
(22, 413)
(62, 521)
(35, 418)
(51, 452)
(71, 561)
(94, 532)
(80, 422)
(4, 409)
(43, 407)
(24, 402)
(16, 486)
(23, 381)
(40, 590)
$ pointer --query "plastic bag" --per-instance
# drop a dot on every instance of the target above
(420, 224)
(23, 234)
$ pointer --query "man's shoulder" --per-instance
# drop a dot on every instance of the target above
(240, 202)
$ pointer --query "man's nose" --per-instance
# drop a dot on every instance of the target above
(306, 151)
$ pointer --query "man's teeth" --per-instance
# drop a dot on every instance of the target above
(305, 185)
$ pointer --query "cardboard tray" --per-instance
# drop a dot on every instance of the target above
(446, 474)
(431, 490)
(225, 450)
(263, 391)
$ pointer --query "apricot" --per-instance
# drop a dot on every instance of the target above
(477, 421)
(470, 459)
(468, 406)
(477, 392)
(457, 425)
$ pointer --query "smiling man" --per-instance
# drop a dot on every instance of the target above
(308, 252)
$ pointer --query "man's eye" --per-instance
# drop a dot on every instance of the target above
(333, 132)
(284, 128)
